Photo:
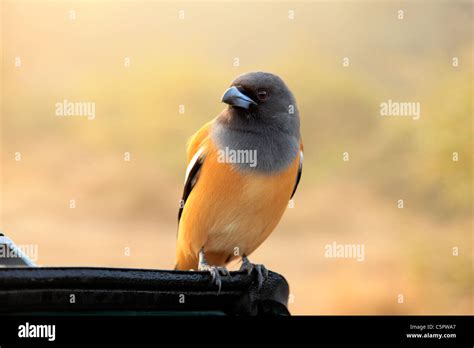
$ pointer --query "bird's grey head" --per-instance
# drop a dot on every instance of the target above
(261, 99)
(261, 116)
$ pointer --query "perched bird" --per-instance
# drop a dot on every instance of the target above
(243, 168)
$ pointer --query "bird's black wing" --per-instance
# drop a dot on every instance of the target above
(192, 174)
(298, 176)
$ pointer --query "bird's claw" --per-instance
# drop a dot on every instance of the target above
(262, 271)
(216, 272)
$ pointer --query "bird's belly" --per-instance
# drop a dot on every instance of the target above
(230, 213)
(246, 218)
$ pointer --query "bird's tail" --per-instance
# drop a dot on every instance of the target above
(185, 263)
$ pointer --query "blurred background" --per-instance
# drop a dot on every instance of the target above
(139, 61)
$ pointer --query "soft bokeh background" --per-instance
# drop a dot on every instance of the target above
(133, 204)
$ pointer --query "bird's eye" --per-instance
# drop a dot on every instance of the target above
(262, 94)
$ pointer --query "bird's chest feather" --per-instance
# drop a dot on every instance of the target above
(242, 208)
(264, 151)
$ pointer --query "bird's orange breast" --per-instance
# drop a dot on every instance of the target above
(230, 212)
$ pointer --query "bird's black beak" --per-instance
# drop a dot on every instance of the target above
(236, 98)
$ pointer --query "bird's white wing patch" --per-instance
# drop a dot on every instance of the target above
(193, 162)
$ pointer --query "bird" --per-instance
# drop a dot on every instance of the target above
(243, 168)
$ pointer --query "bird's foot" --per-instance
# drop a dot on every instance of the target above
(216, 271)
(262, 272)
